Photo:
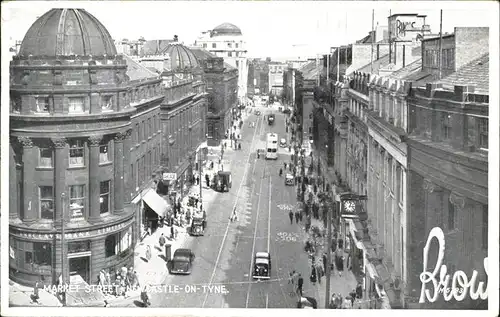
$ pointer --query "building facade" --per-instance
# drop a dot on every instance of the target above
(68, 169)
(86, 128)
(227, 41)
(221, 86)
(276, 78)
(258, 77)
(448, 178)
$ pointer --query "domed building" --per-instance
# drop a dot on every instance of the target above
(85, 137)
(171, 59)
(227, 41)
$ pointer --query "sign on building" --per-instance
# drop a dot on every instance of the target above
(169, 176)
(406, 27)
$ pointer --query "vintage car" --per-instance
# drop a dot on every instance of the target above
(222, 181)
(282, 142)
(198, 225)
(262, 265)
(182, 261)
(307, 302)
(289, 179)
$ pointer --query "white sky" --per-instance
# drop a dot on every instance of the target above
(277, 29)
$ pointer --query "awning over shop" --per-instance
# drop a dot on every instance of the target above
(353, 232)
(155, 202)
(371, 271)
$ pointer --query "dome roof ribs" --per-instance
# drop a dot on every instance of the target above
(67, 32)
(87, 48)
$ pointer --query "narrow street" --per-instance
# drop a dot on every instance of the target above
(221, 274)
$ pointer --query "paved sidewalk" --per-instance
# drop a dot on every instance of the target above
(22, 296)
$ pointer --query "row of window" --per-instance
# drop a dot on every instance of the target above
(77, 104)
(146, 128)
(77, 200)
(476, 134)
(76, 154)
(229, 44)
(391, 174)
(431, 58)
(144, 166)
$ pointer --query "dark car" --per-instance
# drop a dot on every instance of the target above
(262, 265)
(286, 111)
(182, 261)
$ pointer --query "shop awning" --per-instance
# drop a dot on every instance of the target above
(352, 230)
(155, 202)
(371, 271)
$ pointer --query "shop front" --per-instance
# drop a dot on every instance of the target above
(151, 207)
(43, 256)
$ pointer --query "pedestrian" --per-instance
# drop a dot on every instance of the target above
(319, 270)
(352, 296)
(162, 240)
(290, 215)
(300, 216)
(281, 172)
(207, 178)
(300, 282)
(172, 232)
(324, 260)
(36, 294)
(197, 180)
(297, 216)
(313, 276)
(359, 291)
(284, 165)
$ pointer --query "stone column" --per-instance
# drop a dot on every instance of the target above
(29, 188)
(465, 224)
(381, 195)
(94, 179)
(13, 188)
(60, 166)
(118, 172)
(127, 181)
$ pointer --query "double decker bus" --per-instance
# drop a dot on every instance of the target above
(272, 146)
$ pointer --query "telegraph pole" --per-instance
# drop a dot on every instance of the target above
(63, 248)
(201, 173)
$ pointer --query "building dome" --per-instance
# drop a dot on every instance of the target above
(65, 32)
(226, 29)
(181, 57)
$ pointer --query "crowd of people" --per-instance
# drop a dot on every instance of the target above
(310, 188)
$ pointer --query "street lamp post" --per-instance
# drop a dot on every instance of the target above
(333, 208)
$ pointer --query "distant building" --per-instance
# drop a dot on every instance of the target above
(227, 41)
(258, 77)
(276, 70)
(221, 86)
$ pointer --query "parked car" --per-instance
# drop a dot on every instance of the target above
(283, 142)
(289, 179)
(262, 266)
(182, 261)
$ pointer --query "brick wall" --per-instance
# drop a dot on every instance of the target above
(471, 43)
(361, 54)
